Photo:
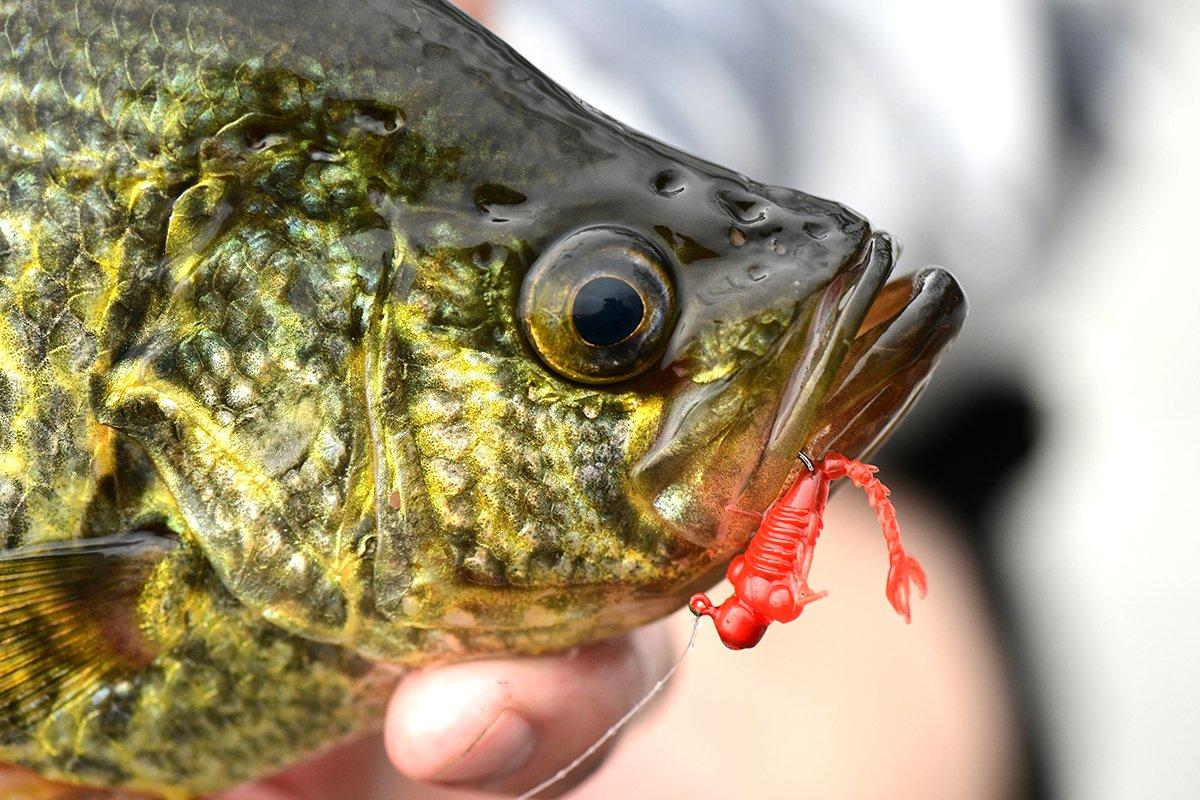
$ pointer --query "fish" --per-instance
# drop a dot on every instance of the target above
(336, 339)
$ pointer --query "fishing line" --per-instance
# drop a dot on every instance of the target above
(619, 724)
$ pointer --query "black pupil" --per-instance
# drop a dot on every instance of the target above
(606, 311)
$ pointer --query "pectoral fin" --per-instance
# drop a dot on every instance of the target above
(68, 619)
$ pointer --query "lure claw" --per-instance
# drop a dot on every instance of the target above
(905, 570)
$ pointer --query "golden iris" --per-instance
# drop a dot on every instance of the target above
(599, 305)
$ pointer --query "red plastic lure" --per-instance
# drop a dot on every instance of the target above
(770, 580)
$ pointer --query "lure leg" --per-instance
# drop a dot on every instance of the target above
(903, 568)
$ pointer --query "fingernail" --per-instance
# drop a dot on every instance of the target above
(501, 749)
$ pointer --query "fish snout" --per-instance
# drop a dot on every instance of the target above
(761, 317)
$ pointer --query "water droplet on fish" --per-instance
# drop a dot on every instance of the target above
(381, 122)
(323, 155)
(482, 255)
(669, 183)
(816, 230)
(742, 208)
(258, 140)
(492, 195)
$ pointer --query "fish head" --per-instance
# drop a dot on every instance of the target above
(596, 359)
(740, 324)
(705, 298)
(613, 368)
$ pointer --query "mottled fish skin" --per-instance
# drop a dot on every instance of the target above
(260, 269)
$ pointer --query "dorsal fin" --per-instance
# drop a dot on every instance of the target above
(68, 619)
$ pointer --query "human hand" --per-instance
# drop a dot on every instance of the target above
(505, 725)
(500, 726)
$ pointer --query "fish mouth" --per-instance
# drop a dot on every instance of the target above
(862, 362)
(858, 353)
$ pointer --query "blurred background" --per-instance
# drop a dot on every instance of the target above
(1046, 152)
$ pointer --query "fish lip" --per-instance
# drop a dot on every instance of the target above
(907, 330)
(887, 337)
(851, 295)
(835, 350)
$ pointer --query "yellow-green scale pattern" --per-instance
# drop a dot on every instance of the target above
(264, 272)
(103, 197)
(194, 241)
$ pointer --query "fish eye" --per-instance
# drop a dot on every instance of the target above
(607, 311)
(598, 305)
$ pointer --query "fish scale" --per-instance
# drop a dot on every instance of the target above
(291, 391)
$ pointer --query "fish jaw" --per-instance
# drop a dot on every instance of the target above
(890, 336)
(907, 331)
(850, 367)
(842, 309)
(717, 434)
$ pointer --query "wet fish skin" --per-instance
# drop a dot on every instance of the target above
(259, 272)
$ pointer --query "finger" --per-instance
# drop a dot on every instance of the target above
(260, 791)
(504, 726)
(352, 770)
(17, 783)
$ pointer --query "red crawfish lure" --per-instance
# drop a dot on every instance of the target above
(770, 580)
